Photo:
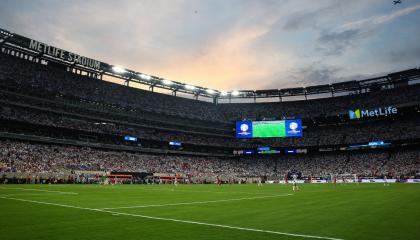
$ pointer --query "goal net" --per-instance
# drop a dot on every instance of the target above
(344, 178)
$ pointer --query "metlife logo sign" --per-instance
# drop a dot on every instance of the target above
(377, 112)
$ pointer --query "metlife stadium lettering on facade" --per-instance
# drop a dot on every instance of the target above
(63, 54)
(377, 112)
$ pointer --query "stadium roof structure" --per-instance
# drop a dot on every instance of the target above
(36, 51)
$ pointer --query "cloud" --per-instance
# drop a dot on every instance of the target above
(405, 56)
(228, 62)
(318, 73)
(311, 18)
(315, 73)
(348, 35)
(236, 44)
(335, 43)
(374, 21)
(322, 14)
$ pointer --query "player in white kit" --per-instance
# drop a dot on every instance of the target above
(386, 181)
(295, 186)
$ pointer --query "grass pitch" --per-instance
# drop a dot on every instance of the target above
(318, 211)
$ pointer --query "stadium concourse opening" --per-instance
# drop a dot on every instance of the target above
(85, 158)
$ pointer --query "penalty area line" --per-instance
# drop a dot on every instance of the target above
(39, 190)
(175, 220)
(200, 202)
(27, 194)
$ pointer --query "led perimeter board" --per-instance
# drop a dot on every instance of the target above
(269, 129)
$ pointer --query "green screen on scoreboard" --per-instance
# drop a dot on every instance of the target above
(264, 129)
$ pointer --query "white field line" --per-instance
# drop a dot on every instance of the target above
(27, 194)
(175, 189)
(39, 190)
(201, 202)
(176, 220)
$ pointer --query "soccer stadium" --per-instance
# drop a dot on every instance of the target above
(94, 149)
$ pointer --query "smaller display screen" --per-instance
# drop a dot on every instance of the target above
(130, 138)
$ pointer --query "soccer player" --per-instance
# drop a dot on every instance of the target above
(386, 181)
(259, 182)
(295, 186)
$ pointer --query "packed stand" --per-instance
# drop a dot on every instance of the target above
(36, 158)
(24, 74)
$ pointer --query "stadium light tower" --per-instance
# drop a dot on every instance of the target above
(189, 87)
(210, 91)
(145, 76)
(235, 93)
(167, 82)
(118, 69)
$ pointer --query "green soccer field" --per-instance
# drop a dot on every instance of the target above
(318, 211)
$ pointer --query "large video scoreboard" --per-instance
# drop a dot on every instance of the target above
(269, 129)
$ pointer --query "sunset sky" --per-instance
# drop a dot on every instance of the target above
(230, 44)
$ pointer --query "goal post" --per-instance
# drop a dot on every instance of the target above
(344, 178)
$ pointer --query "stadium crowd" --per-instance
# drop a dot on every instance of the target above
(316, 136)
(54, 159)
(51, 81)
(50, 96)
